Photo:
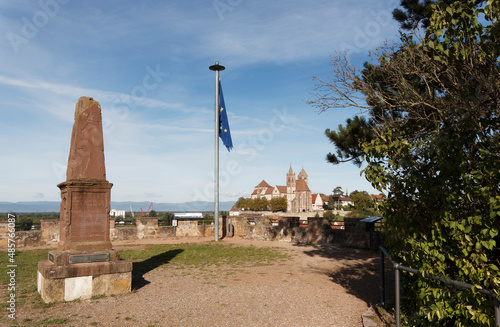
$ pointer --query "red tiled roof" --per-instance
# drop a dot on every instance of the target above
(301, 185)
(281, 189)
(324, 198)
(263, 184)
(314, 196)
(269, 190)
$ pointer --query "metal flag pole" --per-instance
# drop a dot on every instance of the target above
(216, 68)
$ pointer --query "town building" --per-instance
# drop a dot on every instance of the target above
(318, 202)
(341, 201)
(377, 198)
(117, 213)
(296, 191)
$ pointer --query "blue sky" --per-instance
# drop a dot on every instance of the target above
(146, 62)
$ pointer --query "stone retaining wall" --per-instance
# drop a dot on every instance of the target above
(50, 231)
(318, 230)
(4, 231)
(279, 228)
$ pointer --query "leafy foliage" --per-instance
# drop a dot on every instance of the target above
(432, 141)
(361, 200)
(166, 218)
(278, 204)
(417, 12)
(347, 140)
(257, 204)
(338, 191)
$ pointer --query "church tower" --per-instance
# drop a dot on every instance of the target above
(303, 175)
(290, 181)
(291, 187)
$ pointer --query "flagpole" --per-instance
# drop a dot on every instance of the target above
(216, 68)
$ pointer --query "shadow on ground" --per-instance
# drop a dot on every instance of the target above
(356, 270)
(143, 267)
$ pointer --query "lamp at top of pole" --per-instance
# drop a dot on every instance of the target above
(217, 67)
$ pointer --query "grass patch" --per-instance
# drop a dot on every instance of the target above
(182, 256)
(56, 321)
(26, 271)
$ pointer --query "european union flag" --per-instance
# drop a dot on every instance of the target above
(224, 132)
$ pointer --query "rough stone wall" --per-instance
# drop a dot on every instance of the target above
(4, 230)
(241, 226)
(165, 231)
(255, 227)
(318, 230)
(287, 230)
(50, 231)
(146, 227)
(356, 234)
(29, 238)
(124, 233)
(188, 228)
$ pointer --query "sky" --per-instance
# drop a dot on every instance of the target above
(146, 63)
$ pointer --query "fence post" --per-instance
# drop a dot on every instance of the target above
(497, 312)
(382, 277)
(398, 313)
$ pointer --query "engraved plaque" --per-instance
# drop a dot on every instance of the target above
(88, 258)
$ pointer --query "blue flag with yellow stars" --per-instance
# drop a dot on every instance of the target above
(224, 132)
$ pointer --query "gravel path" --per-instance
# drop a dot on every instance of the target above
(319, 286)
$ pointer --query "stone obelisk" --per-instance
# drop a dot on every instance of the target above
(84, 264)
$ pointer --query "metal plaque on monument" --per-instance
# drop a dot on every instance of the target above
(84, 264)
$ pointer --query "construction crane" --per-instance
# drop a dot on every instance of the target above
(132, 212)
(147, 212)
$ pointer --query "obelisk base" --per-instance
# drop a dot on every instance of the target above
(71, 275)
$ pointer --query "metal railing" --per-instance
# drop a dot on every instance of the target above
(398, 267)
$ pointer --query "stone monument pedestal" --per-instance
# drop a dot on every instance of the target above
(84, 264)
(71, 275)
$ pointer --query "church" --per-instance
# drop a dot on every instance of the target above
(296, 191)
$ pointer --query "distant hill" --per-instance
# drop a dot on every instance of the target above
(54, 206)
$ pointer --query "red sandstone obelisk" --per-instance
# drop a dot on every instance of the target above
(84, 264)
(86, 194)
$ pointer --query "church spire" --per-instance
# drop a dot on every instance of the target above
(302, 174)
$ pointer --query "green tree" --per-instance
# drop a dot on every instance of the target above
(338, 191)
(431, 140)
(153, 213)
(241, 203)
(328, 214)
(333, 202)
(362, 200)
(259, 204)
(23, 222)
(167, 218)
(278, 204)
(418, 12)
(208, 217)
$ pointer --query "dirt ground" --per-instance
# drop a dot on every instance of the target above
(319, 286)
